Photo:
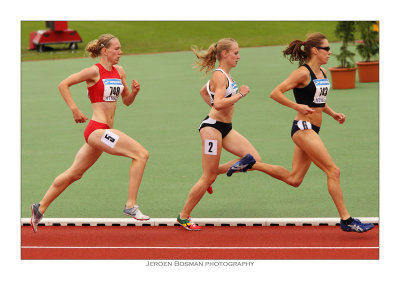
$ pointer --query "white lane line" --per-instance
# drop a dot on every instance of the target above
(203, 248)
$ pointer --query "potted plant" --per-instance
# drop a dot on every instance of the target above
(368, 48)
(344, 76)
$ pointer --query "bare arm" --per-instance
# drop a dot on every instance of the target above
(204, 94)
(340, 117)
(86, 74)
(219, 80)
(127, 96)
(297, 78)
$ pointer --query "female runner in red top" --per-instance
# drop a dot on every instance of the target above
(105, 81)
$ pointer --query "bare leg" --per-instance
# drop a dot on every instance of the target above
(238, 145)
(313, 146)
(300, 165)
(128, 147)
(210, 169)
(309, 148)
(88, 155)
(84, 159)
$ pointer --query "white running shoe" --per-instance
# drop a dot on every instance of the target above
(135, 213)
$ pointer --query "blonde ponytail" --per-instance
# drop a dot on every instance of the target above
(94, 47)
(208, 59)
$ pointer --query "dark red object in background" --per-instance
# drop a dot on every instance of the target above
(58, 33)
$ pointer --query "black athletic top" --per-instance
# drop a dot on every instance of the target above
(314, 94)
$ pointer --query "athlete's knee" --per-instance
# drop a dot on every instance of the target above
(209, 178)
(333, 172)
(294, 181)
(74, 175)
(141, 155)
(144, 155)
(212, 178)
(67, 177)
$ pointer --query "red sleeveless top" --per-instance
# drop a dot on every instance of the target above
(108, 88)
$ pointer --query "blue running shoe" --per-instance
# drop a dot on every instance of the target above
(242, 165)
(356, 226)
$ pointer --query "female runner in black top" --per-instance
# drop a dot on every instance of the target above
(310, 88)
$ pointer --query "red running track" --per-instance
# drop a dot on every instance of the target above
(120, 242)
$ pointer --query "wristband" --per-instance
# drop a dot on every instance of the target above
(240, 94)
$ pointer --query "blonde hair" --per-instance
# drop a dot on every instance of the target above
(94, 47)
(207, 60)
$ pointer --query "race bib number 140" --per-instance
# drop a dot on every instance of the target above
(322, 87)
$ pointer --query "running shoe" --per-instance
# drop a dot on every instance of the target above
(242, 165)
(36, 216)
(356, 226)
(135, 213)
(187, 223)
(210, 190)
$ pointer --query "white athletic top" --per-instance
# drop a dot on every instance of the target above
(230, 90)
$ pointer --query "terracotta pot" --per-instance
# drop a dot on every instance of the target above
(343, 78)
(368, 71)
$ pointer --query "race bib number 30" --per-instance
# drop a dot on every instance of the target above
(322, 87)
(112, 89)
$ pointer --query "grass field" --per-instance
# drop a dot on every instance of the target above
(164, 119)
(168, 36)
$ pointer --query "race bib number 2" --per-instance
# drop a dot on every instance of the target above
(322, 87)
(210, 147)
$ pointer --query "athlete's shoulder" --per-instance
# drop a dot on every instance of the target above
(303, 69)
(120, 70)
(118, 67)
(90, 72)
(301, 73)
(218, 72)
(92, 69)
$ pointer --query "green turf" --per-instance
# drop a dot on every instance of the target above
(164, 118)
(163, 36)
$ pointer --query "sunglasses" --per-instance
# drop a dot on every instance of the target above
(324, 48)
